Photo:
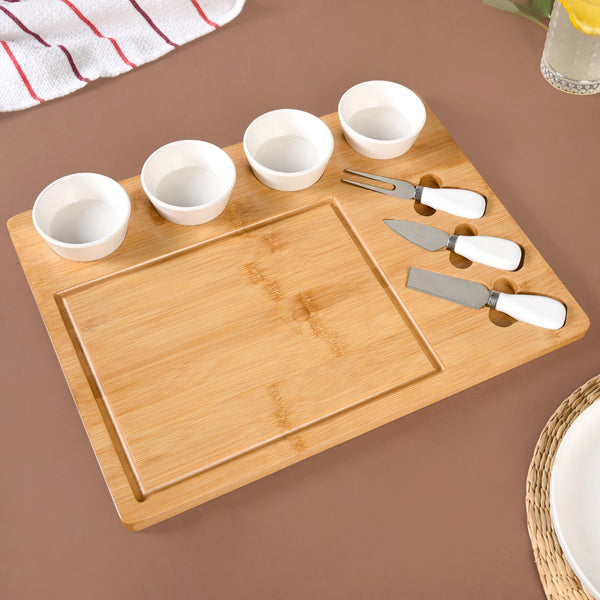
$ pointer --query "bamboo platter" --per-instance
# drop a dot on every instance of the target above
(203, 358)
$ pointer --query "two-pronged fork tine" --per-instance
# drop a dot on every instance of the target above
(393, 182)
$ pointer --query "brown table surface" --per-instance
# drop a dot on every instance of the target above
(429, 506)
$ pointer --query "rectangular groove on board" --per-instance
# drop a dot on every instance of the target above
(254, 261)
(108, 418)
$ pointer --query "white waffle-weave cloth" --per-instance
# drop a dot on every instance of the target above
(50, 48)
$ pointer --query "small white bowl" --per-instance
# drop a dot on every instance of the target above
(83, 216)
(381, 119)
(189, 182)
(288, 149)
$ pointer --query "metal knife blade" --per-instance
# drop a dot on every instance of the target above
(462, 291)
(424, 236)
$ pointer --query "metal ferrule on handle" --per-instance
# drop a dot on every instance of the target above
(493, 299)
(452, 239)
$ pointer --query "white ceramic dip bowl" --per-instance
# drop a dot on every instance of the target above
(189, 182)
(288, 149)
(83, 216)
(381, 119)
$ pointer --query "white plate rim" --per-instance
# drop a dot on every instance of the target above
(587, 414)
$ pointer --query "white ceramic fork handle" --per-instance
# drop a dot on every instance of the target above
(535, 310)
(463, 203)
(492, 251)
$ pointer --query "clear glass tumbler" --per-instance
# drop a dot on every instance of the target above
(571, 58)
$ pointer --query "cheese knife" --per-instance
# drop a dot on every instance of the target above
(492, 251)
(540, 311)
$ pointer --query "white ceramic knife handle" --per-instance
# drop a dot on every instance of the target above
(492, 251)
(535, 310)
(463, 203)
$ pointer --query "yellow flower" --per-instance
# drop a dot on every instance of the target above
(584, 14)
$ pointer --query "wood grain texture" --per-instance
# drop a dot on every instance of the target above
(202, 358)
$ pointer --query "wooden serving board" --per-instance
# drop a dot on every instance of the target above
(202, 358)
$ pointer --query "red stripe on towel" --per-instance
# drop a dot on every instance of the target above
(151, 23)
(72, 63)
(98, 34)
(45, 43)
(203, 14)
(23, 27)
(21, 72)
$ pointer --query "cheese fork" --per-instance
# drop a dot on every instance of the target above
(459, 202)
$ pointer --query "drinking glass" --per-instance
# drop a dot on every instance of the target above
(571, 58)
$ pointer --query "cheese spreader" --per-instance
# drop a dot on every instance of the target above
(540, 311)
(492, 251)
(459, 202)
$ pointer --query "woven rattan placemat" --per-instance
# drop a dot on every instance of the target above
(558, 579)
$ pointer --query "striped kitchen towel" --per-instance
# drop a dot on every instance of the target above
(49, 48)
